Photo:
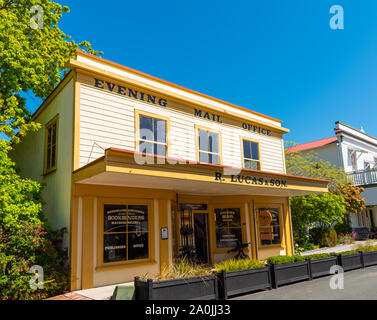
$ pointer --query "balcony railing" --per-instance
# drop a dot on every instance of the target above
(364, 177)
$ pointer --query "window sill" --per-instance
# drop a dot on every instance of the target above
(49, 172)
(110, 267)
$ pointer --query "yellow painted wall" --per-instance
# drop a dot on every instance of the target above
(29, 156)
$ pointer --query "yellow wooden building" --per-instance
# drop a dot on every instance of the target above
(141, 170)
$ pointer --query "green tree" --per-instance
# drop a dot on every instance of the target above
(33, 54)
(308, 164)
(320, 209)
(32, 59)
(25, 237)
(323, 209)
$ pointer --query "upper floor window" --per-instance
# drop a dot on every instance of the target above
(251, 157)
(51, 146)
(208, 146)
(152, 134)
(352, 159)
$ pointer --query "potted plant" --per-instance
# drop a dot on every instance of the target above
(369, 255)
(182, 281)
(320, 264)
(242, 276)
(350, 260)
(288, 269)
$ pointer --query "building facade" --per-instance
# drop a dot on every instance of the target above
(356, 152)
(141, 171)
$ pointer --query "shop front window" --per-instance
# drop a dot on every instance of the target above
(228, 227)
(125, 232)
(269, 226)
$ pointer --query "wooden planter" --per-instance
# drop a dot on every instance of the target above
(289, 272)
(351, 261)
(321, 267)
(370, 258)
(194, 288)
(243, 281)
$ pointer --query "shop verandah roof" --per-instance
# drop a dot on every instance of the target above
(127, 168)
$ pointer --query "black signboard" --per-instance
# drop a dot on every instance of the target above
(115, 218)
(137, 218)
(114, 247)
(193, 206)
(125, 232)
(137, 245)
(228, 227)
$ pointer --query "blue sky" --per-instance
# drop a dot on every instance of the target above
(276, 57)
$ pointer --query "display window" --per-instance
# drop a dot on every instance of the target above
(125, 232)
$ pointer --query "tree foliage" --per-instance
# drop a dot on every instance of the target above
(352, 195)
(25, 237)
(308, 164)
(31, 59)
(320, 209)
(323, 209)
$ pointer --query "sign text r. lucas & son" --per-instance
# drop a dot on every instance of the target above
(242, 179)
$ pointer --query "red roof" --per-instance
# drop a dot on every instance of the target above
(312, 145)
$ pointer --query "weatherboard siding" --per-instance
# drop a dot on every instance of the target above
(108, 120)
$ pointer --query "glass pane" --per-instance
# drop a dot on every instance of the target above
(49, 135)
(253, 165)
(203, 157)
(213, 159)
(255, 151)
(48, 158)
(160, 131)
(53, 156)
(203, 140)
(269, 227)
(146, 147)
(114, 247)
(213, 142)
(159, 150)
(228, 227)
(227, 238)
(137, 218)
(246, 149)
(115, 218)
(137, 245)
(146, 129)
(54, 134)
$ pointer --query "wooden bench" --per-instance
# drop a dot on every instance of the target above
(364, 233)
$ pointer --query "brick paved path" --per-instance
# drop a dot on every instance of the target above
(69, 296)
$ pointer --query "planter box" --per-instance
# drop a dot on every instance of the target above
(351, 261)
(289, 272)
(194, 288)
(321, 267)
(370, 258)
(243, 281)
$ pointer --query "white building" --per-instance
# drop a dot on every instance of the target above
(356, 152)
